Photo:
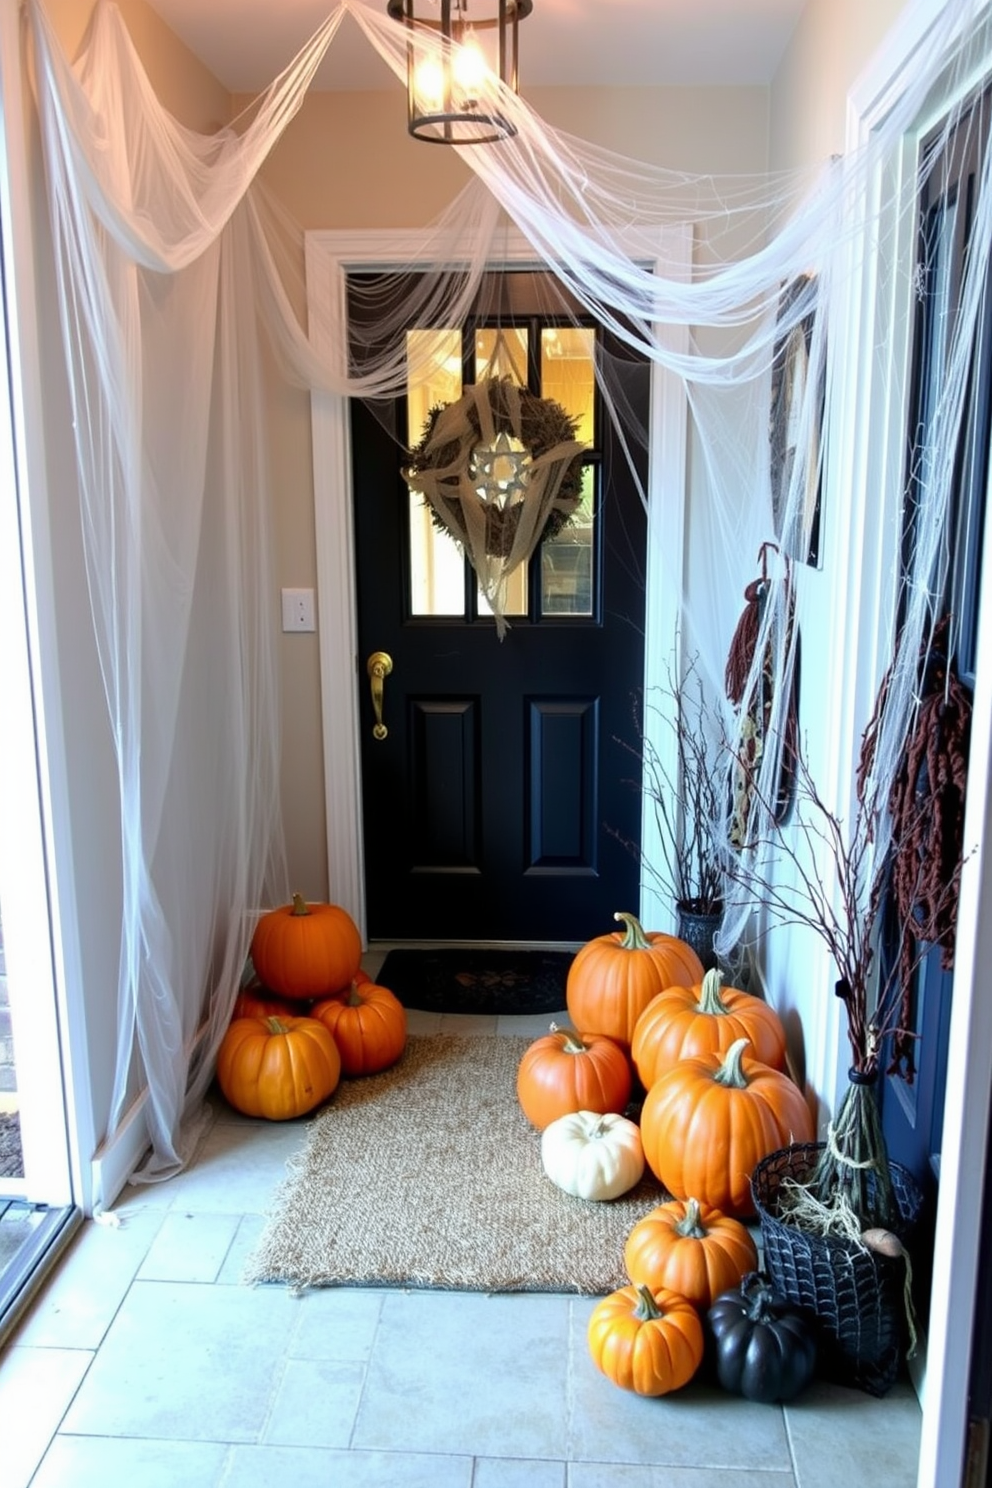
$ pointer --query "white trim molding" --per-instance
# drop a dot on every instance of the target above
(877, 318)
(330, 256)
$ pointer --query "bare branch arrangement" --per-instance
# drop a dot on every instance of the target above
(837, 889)
(688, 796)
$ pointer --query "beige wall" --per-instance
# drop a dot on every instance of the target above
(832, 44)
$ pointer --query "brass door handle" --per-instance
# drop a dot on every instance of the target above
(379, 666)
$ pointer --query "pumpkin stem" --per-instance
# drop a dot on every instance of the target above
(759, 1298)
(731, 1072)
(647, 1308)
(300, 906)
(710, 1000)
(276, 1025)
(571, 1042)
(354, 998)
(689, 1226)
(634, 938)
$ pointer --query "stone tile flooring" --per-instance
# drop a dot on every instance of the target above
(144, 1360)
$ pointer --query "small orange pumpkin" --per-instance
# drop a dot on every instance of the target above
(689, 1248)
(614, 977)
(305, 951)
(566, 1071)
(647, 1341)
(368, 1024)
(685, 1022)
(277, 1068)
(708, 1122)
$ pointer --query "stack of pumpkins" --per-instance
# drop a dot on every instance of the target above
(311, 1015)
(711, 1061)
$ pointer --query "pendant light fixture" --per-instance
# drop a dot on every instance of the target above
(456, 50)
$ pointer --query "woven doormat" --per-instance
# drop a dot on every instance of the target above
(430, 1175)
(477, 980)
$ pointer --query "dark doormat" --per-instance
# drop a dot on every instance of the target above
(477, 980)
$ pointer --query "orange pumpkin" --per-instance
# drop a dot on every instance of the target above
(306, 950)
(647, 1341)
(689, 1248)
(253, 1001)
(368, 1024)
(685, 1022)
(614, 977)
(707, 1123)
(566, 1071)
(277, 1067)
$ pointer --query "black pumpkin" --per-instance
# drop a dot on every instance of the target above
(764, 1348)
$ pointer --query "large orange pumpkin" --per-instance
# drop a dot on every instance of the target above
(306, 950)
(614, 977)
(685, 1022)
(649, 1342)
(277, 1067)
(368, 1024)
(566, 1071)
(707, 1123)
(689, 1248)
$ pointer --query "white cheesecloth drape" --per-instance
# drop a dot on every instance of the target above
(175, 310)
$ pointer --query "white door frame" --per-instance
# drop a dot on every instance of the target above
(958, 1246)
(330, 256)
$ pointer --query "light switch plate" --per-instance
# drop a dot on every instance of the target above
(297, 609)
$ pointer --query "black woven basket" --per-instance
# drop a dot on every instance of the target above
(858, 1296)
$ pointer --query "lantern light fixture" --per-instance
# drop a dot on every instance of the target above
(456, 50)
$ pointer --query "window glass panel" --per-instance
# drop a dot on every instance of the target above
(434, 358)
(568, 374)
(516, 594)
(567, 560)
(501, 351)
(437, 569)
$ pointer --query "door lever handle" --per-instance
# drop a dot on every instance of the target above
(379, 666)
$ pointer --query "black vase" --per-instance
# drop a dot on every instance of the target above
(697, 928)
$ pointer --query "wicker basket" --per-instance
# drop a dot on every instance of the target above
(859, 1297)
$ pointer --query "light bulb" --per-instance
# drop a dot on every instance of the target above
(428, 84)
(469, 67)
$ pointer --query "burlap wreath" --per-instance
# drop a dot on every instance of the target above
(440, 466)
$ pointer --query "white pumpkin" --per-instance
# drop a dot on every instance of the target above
(593, 1156)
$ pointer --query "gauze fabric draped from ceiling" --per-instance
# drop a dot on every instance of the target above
(172, 264)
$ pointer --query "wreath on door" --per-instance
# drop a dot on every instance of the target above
(501, 469)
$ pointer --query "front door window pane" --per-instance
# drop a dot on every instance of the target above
(568, 374)
(501, 351)
(437, 569)
(567, 566)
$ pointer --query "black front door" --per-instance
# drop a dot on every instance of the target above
(497, 803)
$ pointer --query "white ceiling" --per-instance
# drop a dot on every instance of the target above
(245, 43)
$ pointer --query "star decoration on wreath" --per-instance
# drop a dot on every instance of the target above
(500, 468)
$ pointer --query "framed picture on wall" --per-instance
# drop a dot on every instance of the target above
(789, 423)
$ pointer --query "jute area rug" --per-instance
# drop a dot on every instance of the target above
(429, 1175)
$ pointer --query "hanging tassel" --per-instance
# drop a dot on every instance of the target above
(754, 720)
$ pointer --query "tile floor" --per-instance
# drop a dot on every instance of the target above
(145, 1361)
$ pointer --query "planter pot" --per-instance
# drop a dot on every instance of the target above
(697, 930)
(860, 1298)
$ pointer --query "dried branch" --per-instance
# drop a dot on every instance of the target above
(839, 882)
(688, 799)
